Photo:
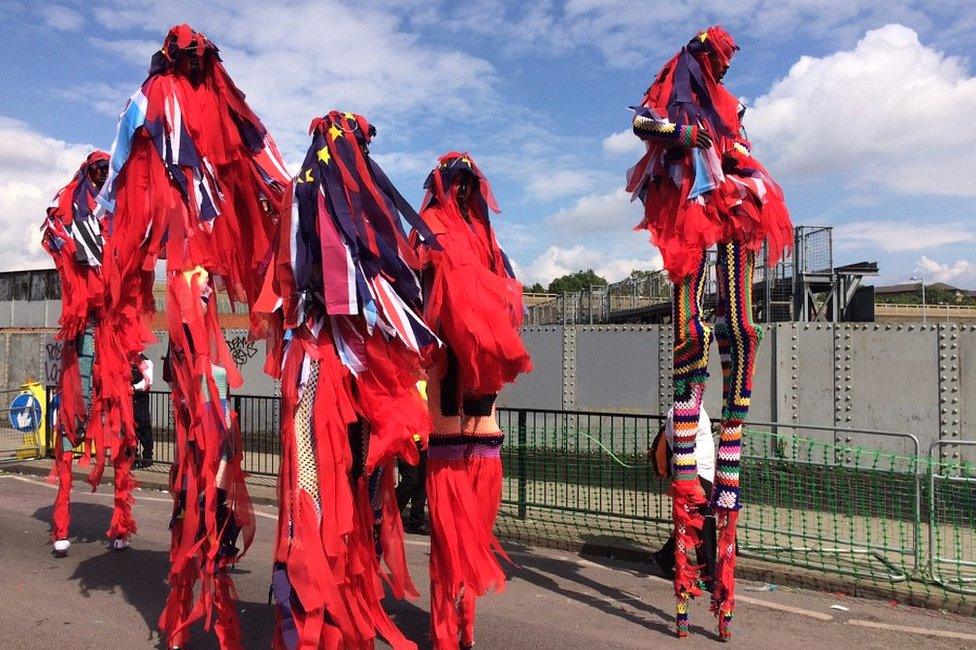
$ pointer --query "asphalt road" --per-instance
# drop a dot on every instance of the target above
(96, 598)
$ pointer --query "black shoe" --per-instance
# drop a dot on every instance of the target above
(416, 529)
(664, 562)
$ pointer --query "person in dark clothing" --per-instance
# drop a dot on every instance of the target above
(141, 383)
(705, 462)
(412, 490)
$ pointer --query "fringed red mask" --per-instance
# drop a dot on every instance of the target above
(186, 50)
(714, 47)
(96, 167)
(455, 169)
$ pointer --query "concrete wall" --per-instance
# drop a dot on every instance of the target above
(917, 379)
(38, 355)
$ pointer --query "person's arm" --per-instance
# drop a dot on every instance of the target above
(145, 382)
(649, 126)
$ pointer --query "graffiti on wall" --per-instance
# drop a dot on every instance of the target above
(52, 362)
(242, 350)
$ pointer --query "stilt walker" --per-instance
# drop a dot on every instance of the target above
(345, 339)
(701, 187)
(73, 237)
(474, 304)
(196, 180)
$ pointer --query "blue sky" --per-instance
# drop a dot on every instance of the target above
(861, 108)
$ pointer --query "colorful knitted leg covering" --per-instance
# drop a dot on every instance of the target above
(738, 339)
(692, 339)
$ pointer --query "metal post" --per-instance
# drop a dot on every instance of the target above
(924, 315)
(521, 464)
(590, 298)
(48, 429)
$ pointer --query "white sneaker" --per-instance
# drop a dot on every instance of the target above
(62, 546)
(120, 543)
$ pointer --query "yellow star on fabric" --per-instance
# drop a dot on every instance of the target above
(324, 155)
(308, 176)
(466, 161)
(335, 132)
(350, 116)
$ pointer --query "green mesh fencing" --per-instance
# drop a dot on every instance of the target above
(899, 523)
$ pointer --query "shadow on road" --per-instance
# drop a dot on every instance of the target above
(542, 572)
(89, 521)
(413, 621)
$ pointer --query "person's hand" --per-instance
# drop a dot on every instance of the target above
(694, 137)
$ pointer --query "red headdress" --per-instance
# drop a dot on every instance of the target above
(442, 181)
(687, 90)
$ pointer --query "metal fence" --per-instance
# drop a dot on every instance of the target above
(884, 513)
(901, 521)
(258, 417)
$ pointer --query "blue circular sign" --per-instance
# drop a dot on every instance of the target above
(25, 413)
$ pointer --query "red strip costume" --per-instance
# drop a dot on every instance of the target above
(474, 304)
(72, 235)
(701, 187)
(345, 338)
(196, 180)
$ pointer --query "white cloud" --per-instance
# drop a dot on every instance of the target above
(959, 272)
(623, 143)
(629, 38)
(556, 184)
(62, 18)
(896, 236)
(32, 169)
(892, 114)
(556, 261)
(598, 213)
(300, 59)
(596, 232)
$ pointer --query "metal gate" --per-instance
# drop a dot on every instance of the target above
(952, 527)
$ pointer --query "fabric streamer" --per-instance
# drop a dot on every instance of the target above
(73, 236)
(195, 180)
(474, 303)
(340, 310)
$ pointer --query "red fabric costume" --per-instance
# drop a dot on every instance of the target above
(73, 237)
(474, 303)
(694, 198)
(345, 341)
(196, 180)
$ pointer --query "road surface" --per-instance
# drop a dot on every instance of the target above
(96, 598)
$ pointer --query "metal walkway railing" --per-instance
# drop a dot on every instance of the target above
(879, 513)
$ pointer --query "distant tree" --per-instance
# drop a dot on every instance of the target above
(577, 281)
(639, 274)
(535, 288)
(933, 296)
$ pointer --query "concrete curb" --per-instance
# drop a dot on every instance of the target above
(146, 479)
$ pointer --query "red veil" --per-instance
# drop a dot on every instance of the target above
(473, 301)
